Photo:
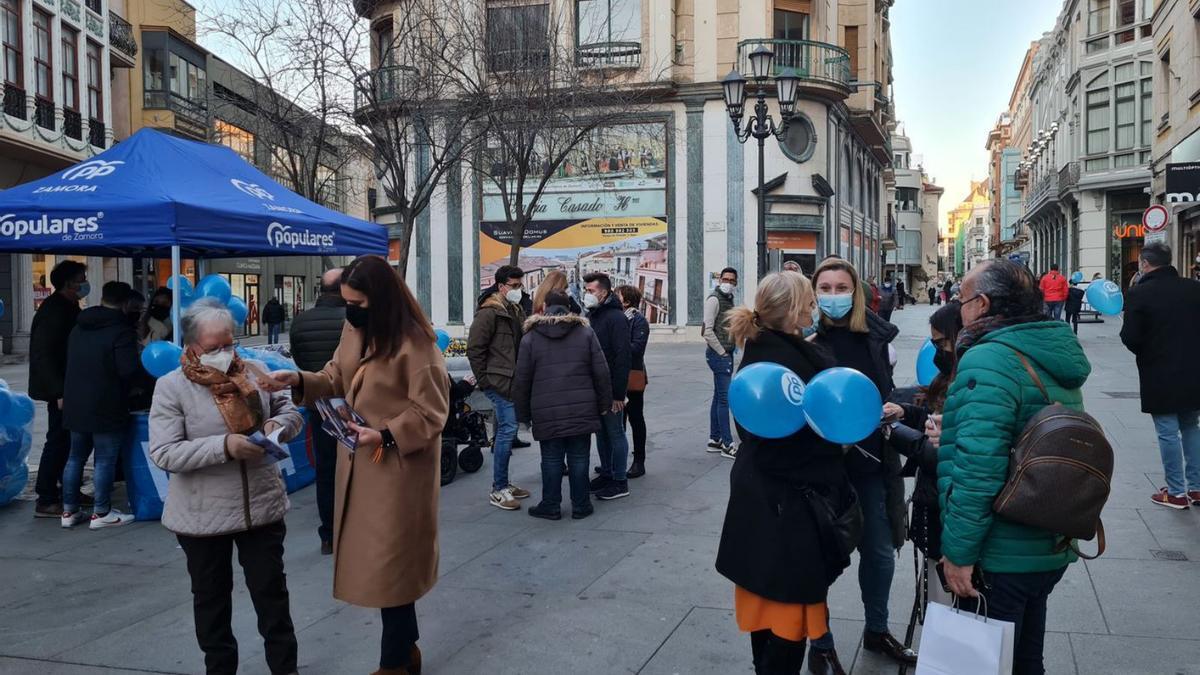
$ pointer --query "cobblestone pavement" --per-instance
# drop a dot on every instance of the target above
(630, 590)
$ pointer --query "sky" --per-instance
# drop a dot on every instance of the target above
(955, 63)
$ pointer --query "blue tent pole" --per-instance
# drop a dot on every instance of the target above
(175, 296)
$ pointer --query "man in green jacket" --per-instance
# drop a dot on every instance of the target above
(1015, 567)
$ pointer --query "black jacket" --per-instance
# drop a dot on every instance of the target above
(1074, 300)
(102, 363)
(639, 337)
(770, 544)
(315, 334)
(272, 312)
(562, 383)
(1162, 329)
(612, 330)
(908, 439)
(52, 325)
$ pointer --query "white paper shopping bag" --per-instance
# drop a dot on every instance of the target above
(955, 642)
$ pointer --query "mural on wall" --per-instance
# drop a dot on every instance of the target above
(605, 211)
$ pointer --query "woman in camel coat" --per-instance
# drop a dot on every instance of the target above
(389, 370)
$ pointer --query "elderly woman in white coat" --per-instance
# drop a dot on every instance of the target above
(222, 492)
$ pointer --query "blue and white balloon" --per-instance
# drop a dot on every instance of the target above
(842, 405)
(1105, 297)
(216, 287)
(767, 399)
(160, 358)
(926, 368)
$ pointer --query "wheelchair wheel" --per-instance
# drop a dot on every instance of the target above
(470, 459)
(449, 462)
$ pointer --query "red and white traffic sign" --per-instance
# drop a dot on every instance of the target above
(1155, 218)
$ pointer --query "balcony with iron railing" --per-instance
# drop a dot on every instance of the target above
(609, 55)
(1068, 177)
(384, 85)
(73, 124)
(158, 99)
(121, 38)
(96, 135)
(93, 5)
(15, 101)
(820, 66)
(43, 113)
(1045, 187)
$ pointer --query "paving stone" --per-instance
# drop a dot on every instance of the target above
(1139, 597)
(1124, 655)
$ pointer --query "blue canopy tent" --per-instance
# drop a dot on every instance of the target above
(156, 195)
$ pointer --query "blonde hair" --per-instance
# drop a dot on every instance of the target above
(857, 321)
(780, 301)
(554, 281)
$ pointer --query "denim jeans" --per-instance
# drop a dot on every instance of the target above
(108, 449)
(612, 447)
(718, 414)
(1054, 310)
(273, 333)
(506, 431)
(1179, 443)
(876, 555)
(576, 450)
(1021, 599)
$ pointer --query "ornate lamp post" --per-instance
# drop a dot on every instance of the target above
(760, 126)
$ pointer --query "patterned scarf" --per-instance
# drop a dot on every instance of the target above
(233, 392)
(971, 334)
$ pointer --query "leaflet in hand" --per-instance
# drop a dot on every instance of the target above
(336, 414)
(274, 450)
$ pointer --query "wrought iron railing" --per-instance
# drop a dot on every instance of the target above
(1068, 177)
(1042, 188)
(609, 55)
(73, 124)
(813, 61)
(384, 85)
(530, 58)
(93, 5)
(96, 131)
(120, 35)
(43, 113)
(169, 100)
(15, 101)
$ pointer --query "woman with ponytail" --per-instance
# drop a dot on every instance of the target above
(770, 546)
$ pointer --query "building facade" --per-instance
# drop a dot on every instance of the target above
(915, 257)
(688, 187)
(965, 240)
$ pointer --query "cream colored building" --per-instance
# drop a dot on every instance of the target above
(914, 204)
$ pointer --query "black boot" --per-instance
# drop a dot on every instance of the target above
(637, 469)
(884, 643)
(824, 662)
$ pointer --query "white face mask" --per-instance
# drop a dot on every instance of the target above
(590, 300)
(726, 288)
(513, 295)
(219, 360)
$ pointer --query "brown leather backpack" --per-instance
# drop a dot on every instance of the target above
(1059, 473)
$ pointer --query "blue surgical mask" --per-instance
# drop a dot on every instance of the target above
(836, 306)
(812, 328)
(85, 289)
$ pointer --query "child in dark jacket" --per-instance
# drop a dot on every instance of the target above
(562, 387)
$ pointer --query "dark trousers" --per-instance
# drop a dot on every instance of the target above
(210, 565)
(55, 453)
(325, 454)
(635, 416)
(400, 634)
(575, 450)
(1073, 319)
(774, 655)
(1021, 599)
(273, 333)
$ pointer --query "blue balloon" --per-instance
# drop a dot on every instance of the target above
(185, 284)
(20, 411)
(842, 405)
(443, 339)
(926, 369)
(767, 400)
(1076, 277)
(214, 286)
(6, 404)
(239, 310)
(1105, 297)
(160, 358)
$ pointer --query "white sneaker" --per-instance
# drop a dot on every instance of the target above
(70, 520)
(714, 446)
(729, 451)
(504, 499)
(113, 518)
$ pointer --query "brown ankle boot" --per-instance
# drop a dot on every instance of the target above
(413, 667)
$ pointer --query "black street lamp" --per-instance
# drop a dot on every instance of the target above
(760, 125)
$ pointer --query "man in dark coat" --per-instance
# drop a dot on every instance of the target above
(102, 364)
(273, 315)
(562, 386)
(1162, 328)
(607, 317)
(314, 336)
(52, 325)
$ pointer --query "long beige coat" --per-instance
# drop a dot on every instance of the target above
(385, 515)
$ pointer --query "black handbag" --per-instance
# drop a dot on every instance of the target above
(839, 526)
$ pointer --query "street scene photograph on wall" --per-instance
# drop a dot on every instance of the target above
(605, 210)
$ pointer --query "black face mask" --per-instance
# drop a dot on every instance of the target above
(944, 361)
(357, 316)
(159, 312)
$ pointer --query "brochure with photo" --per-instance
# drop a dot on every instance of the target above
(336, 414)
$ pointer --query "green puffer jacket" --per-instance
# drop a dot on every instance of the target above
(990, 401)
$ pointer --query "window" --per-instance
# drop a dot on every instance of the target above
(152, 65)
(42, 67)
(1147, 110)
(1097, 45)
(609, 32)
(10, 14)
(518, 37)
(95, 81)
(1097, 121)
(385, 49)
(1098, 17)
(235, 138)
(70, 68)
(852, 47)
(1126, 12)
(906, 199)
(1126, 109)
(791, 25)
(800, 139)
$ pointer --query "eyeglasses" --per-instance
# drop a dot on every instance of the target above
(964, 303)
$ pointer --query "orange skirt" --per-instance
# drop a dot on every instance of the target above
(789, 621)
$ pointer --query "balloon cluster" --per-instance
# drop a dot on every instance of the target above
(160, 358)
(16, 439)
(840, 404)
(1105, 297)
